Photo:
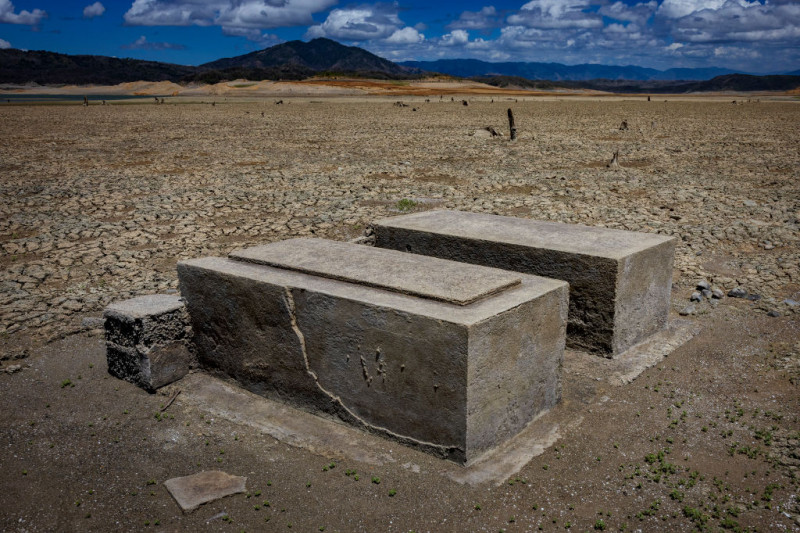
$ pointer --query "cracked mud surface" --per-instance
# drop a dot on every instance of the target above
(98, 204)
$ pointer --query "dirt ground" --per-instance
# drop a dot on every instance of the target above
(99, 203)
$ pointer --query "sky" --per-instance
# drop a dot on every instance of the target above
(758, 36)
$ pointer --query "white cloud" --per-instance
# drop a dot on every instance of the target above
(375, 22)
(30, 18)
(143, 44)
(226, 13)
(4, 45)
(638, 13)
(555, 14)
(680, 8)
(455, 38)
(407, 35)
(486, 18)
(93, 10)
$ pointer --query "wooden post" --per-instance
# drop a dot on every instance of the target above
(511, 125)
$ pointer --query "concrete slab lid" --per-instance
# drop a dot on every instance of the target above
(415, 275)
(193, 491)
(142, 306)
(572, 238)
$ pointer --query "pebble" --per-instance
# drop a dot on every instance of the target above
(790, 302)
(695, 297)
(706, 293)
(688, 310)
(717, 294)
(773, 313)
(703, 285)
(738, 292)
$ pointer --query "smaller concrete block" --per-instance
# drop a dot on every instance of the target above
(190, 492)
(147, 340)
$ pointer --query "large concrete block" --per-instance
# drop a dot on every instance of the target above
(146, 340)
(447, 357)
(620, 281)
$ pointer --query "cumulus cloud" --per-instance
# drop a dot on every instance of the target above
(226, 13)
(30, 18)
(638, 13)
(680, 8)
(143, 44)
(93, 10)
(554, 14)
(486, 18)
(367, 23)
(455, 38)
(4, 45)
(407, 35)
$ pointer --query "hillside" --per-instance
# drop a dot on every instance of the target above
(318, 55)
(48, 68)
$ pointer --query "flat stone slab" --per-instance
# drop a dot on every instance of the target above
(190, 492)
(145, 306)
(620, 281)
(452, 380)
(441, 280)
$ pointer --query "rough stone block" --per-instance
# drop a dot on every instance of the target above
(447, 357)
(147, 340)
(620, 281)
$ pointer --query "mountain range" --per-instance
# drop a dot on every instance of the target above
(297, 60)
(467, 68)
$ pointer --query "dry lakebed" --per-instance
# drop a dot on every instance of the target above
(99, 203)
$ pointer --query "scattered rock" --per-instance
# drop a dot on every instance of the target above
(10, 369)
(738, 292)
(703, 285)
(717, 294)
(773, 313)
(706, 293)
(750, 203)
(790, 302)
(695, 297)
(688, 310)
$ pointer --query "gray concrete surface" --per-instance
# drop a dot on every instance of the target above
(452, 380)
(147, 340)
(426, 277)
(620, 281)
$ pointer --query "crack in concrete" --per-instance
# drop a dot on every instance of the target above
(443, 450)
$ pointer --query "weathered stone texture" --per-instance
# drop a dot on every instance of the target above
(453, 380)
(147, 340)
(620, 281)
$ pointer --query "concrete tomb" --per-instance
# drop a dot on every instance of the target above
(147, 340)
(449, 357)
(620, 281)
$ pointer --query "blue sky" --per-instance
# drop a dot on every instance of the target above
(751, 36)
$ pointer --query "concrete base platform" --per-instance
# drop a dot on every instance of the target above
(620, 281)
(330, 439)
(449, 358)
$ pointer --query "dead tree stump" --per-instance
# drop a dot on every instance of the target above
(614, 161)
(511, 126)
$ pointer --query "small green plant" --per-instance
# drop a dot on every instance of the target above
(67, 383)
(406, 205)
(392, 493)
(600, 525)
(477, 507)
(376, 480)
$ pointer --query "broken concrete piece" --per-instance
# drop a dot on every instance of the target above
(620, 281)
(453, 380)
(147, 340)
(193, 491)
